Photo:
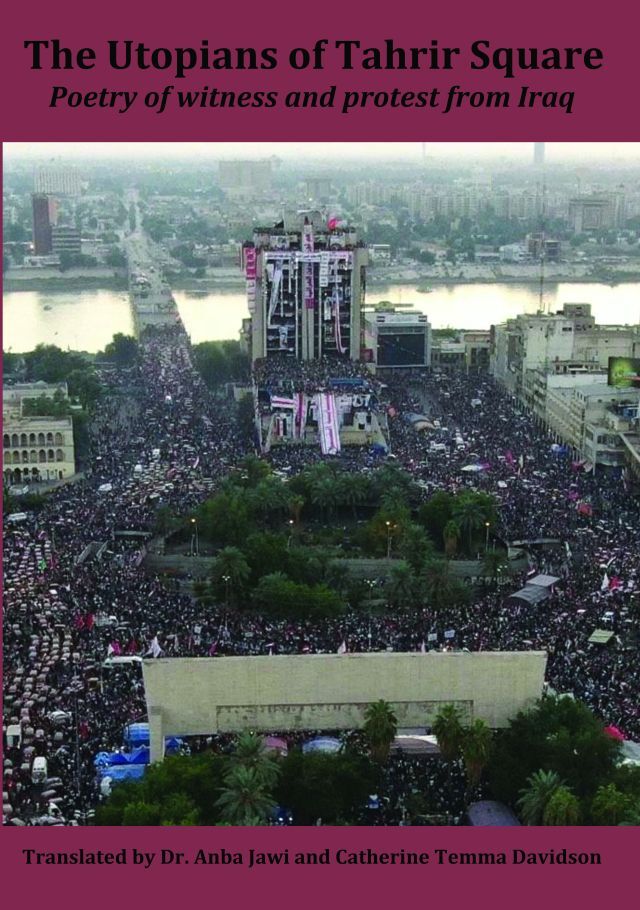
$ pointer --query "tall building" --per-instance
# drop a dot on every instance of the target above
(598, 211)
(565, 342)
(538, 153)
(305, 288)
(245, 175)
(41, 224)
(57, 181)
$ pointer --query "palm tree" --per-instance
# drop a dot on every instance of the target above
(449, 732)
(563, 808)
(244, 799)
(451, 537)
(401, 588)
(296, 504)
(255, 470)
(380, 727)
(492, 564)
(250, 752)
(469, 515)
(324, 495)
(541, 786)
(415, 546)
(476, 748)
(353, 490)
(437, 583)
(609, 806)
(230, 573)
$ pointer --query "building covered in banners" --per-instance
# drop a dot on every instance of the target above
(305, 288)
(338, 413)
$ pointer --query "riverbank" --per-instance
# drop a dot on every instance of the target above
(66, 283)
(227, 284)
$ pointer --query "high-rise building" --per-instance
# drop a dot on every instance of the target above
(305, 287)
(57, 181)
(538, 153)
(246, 175)
(41, 224)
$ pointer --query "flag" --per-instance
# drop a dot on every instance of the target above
(423, 648)
(343, 648)
(110, 650)
(615, 583)
(154, 648)
(605, 583)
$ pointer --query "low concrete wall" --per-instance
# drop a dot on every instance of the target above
(195, 696)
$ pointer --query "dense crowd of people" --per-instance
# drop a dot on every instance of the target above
(75, 591)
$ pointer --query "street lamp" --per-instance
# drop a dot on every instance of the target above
(487, 525)
(291, 523)
(195, 551)
(226, 579)
(390, 528)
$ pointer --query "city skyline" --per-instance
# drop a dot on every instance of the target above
(518, 152)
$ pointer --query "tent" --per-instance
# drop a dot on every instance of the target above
(322, 744)
(530, 594)
(276, 744)
(122, 772)
(489, 813)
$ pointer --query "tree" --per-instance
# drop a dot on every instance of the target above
(469, 515)
(493, 563)
(122, 350)
(253, 470)
(353, 491)
(380, 727)
(476, 748)
(609, 806)
(401, 589)
(244, 799)
(535, 797)
(559, 734)
(563, 808)
(250, 752)
(451, 538)
(440, 587)
(434, 514)
(325, 496)
(85, 386)
(415, 546)
(230, 574)
(331, 787)
(449, 732)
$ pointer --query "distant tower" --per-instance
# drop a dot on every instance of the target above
(41, 224)
(538, 154)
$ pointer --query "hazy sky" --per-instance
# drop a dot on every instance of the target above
(399, 151)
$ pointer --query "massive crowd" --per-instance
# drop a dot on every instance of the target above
(75, 590)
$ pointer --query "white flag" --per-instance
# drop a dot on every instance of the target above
(110, 650)
(154, 648)
(423, 648)
(605, 583)
(343, 648)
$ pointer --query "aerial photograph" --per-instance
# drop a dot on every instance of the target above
(321, 485)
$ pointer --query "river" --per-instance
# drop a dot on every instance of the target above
(87, 320)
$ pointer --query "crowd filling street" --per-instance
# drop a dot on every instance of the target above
(76, 591)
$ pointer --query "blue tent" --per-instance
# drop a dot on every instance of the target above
(123, 772)
(138, 735)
